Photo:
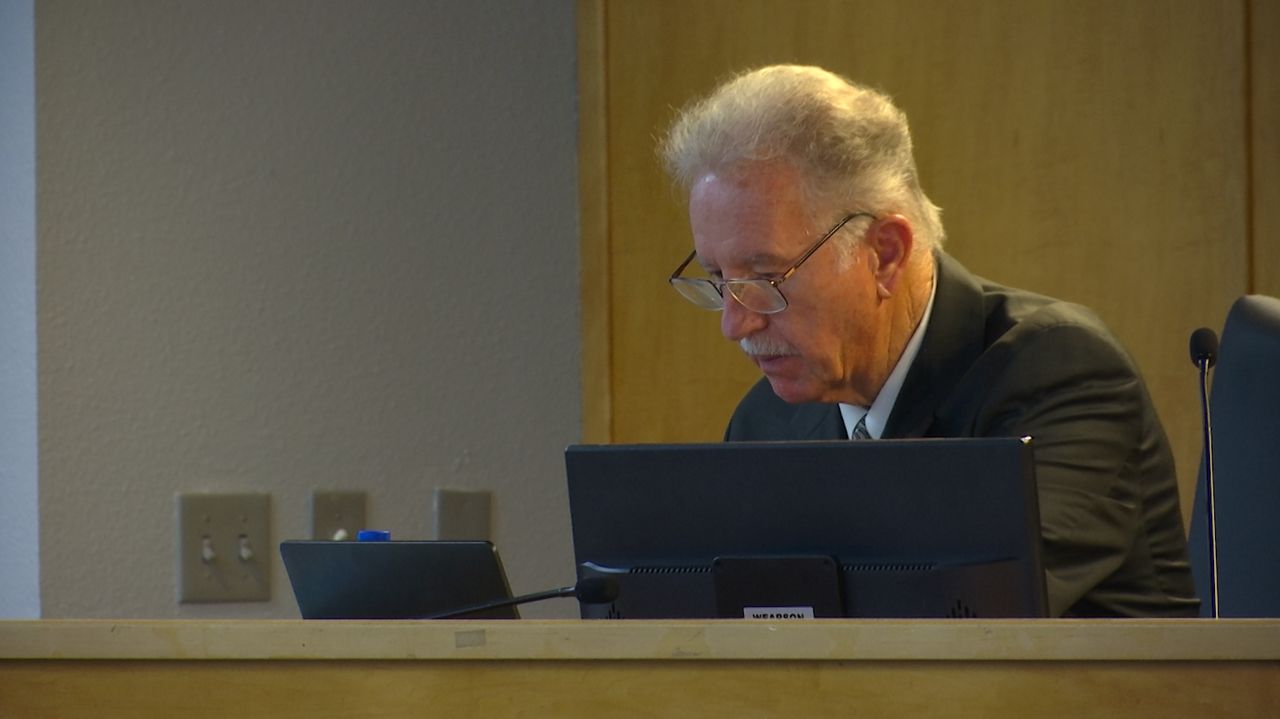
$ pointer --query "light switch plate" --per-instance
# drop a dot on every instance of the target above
(224, 548)
(462, 514)
(337, 515)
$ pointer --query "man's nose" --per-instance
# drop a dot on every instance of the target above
(737, 321)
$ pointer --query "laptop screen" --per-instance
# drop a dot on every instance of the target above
(394, 580)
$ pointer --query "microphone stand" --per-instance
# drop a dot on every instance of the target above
(508, 602)
(1208, 485)
(592, 590)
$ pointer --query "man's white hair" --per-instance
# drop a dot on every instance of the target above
(850, 142)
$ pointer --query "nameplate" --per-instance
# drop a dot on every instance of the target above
(774, 614)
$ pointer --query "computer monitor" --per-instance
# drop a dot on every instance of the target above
(778, 530)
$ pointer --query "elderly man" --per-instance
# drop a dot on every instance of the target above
(813, 237)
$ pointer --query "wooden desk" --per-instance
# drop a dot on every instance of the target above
(1067, 668)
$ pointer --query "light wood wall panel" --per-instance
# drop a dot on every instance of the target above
(1092, 150)
(1264, 101)
(593, 202)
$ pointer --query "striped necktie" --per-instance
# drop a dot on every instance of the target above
(860, 431)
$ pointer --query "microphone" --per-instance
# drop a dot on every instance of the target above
(592, 590)
(1204, 354)
(1204, 347)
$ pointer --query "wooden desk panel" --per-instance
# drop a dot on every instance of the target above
(677, 669)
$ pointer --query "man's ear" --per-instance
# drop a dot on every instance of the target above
(891, 239)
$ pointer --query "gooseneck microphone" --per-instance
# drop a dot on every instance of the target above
(1204, 353)
(592, 590)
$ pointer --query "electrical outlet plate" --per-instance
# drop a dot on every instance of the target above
(224, 548)
(462, 514)
(337, 515)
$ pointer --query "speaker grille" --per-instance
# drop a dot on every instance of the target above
(696, 569)
(889, 567)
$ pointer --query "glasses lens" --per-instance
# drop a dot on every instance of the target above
(757, 295)
(700, 292)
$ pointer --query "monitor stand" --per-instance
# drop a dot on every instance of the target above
(777, 588)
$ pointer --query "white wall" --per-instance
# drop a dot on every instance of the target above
(297, 244)
(19, 552)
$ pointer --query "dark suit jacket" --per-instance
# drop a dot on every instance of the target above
(999, 362)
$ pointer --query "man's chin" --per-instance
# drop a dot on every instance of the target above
(790, 391)
(788, 377)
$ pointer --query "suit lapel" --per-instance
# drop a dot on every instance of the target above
(953, 341)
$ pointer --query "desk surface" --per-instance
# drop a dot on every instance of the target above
(843, 640)
(1162, 669)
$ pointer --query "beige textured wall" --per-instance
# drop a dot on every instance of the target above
(300, 244)
(19, 499)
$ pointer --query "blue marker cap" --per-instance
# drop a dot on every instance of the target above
(373, 535)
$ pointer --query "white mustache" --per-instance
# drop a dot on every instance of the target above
(766, 346)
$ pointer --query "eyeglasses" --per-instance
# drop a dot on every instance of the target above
(760, 295)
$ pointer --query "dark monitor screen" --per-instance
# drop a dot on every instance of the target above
(887, 528)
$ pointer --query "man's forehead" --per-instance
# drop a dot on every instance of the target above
(753, 261)
(774, 180)
(749, 221)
